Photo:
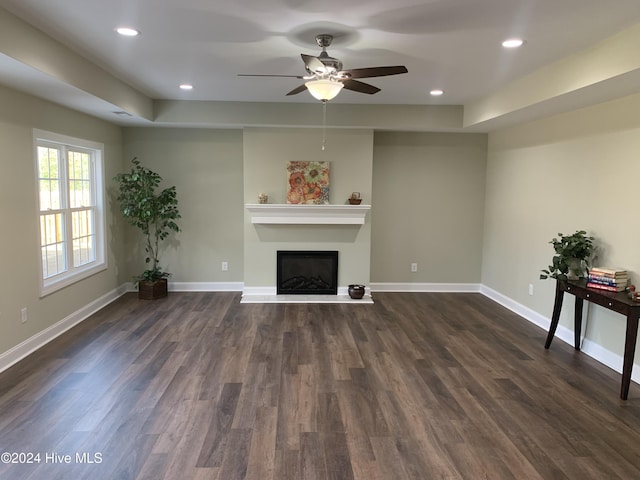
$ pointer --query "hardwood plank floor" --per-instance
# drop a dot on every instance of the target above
(416, 386)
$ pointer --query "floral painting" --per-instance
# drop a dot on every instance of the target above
(308, 182)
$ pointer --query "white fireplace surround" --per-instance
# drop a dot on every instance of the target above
(307, 214)
(303, 214)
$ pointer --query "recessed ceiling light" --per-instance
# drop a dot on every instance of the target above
(128, 31)
(186, 86)
(436, 92)
(512, 43)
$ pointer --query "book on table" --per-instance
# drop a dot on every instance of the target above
(608, 272)
(609, 288)
(610, 279)
(607, 280)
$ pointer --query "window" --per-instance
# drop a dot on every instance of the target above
(70, 209)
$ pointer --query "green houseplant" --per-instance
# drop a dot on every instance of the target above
(572, 256)
(153, 212)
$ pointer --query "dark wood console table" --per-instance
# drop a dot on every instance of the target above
(616, 301)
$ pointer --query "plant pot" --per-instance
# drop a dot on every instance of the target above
(150, 290)
(356, 291)
(575, 269)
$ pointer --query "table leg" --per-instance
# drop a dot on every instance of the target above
(577, 324)
(629, 353)
(555, 317)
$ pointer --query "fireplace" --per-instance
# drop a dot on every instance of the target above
(302, 272)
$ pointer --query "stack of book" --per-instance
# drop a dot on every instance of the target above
(611, 279)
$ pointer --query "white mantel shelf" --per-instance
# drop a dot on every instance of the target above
(270, 213)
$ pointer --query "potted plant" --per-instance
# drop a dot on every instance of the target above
(572, 256)
(154, 212)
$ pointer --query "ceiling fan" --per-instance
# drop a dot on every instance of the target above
(325, 76)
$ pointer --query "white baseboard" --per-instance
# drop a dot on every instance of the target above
(30, 345)
(594, 350)
(534, 317)
(205, 286)
(426, 287)
(197, 287)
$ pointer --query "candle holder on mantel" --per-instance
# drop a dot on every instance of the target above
(263, 198)
(355, 199)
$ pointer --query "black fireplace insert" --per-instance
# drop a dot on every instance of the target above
(302, 272)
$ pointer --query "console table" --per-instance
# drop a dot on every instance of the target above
(615, 301)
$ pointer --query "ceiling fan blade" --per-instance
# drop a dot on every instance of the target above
(313, 64)
(360, 87)
(297, 90)
(267, 75)
(375, 71)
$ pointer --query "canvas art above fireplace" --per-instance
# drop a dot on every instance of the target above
(308, 182)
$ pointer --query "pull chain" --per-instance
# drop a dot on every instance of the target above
(324, 124)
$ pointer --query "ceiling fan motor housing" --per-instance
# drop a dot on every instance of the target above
(333, 64)
(324, 40)
(330, 62)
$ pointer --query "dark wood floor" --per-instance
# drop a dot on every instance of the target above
(417, 386)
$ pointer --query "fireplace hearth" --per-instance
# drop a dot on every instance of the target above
(303, 272)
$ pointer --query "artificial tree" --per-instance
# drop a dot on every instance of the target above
(153, 212)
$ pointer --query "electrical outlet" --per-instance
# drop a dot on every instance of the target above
(225, 266)
(414, 267)
(23, 315)
(531, 289)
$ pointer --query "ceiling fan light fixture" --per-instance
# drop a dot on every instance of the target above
(324, 90)
(127, 31)
(513, 43)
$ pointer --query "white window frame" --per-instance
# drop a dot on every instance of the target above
(72, 274)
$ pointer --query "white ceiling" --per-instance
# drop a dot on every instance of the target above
(449, 44)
